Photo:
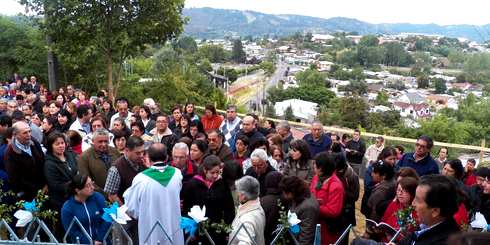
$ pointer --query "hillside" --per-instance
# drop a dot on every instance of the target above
(217, 23)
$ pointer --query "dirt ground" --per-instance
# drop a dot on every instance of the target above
(360, 219)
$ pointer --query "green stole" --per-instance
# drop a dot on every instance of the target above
(162, 177)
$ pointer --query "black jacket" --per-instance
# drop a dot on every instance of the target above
(58, 175)
(437, 235)
(359, 149)
(261, 178)
(217, 199)
(25, 172)
(271, 209)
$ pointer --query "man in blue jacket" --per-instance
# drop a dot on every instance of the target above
(317, 141)
(420, 160)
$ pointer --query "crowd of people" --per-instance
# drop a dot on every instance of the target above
(83, 154)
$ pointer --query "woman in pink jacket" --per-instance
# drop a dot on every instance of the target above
(329, 191)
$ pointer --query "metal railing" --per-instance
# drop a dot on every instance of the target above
(37, 225)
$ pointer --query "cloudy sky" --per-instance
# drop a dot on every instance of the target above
(446, 12)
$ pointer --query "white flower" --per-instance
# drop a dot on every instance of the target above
(480, 222)
(121, 217)
(198, 214)
(24, 217)
(293, 218)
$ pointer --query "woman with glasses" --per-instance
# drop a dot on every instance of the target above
(87, 206)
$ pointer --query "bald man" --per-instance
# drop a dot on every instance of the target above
(24, 162)
(249, 129)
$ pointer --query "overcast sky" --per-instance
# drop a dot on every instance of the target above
(442, 12)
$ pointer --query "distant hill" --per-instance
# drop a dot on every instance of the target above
(216, 23)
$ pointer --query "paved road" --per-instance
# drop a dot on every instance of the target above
(278, 75)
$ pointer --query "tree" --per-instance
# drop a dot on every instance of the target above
(270, 111)
(369, 40)
(22, 49)
(187, 44)
(288, 114)
(382, 98)
(422, 81)
(311, 77)
(237, 53)
(268, 67)
(214, 53)
(396, 55)
(113, 29)
(440, 86)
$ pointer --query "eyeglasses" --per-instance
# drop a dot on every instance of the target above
(420, 145)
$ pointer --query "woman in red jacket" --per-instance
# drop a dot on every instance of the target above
(211, 120)
(329, 191)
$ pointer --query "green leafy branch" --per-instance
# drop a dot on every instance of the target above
(43, 214)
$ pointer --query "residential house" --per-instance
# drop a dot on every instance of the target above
(303, 110)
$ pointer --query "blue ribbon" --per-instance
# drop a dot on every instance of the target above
(295, 229)
(110, 210)
(188, 225)
(31, 206)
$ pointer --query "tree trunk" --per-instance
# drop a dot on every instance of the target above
(110, 85)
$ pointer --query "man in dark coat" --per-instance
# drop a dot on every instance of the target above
(231, 169)
(354, 151)
(260, 168)
(249, 129)
(24, 163)
(270, 204)
(435, 204)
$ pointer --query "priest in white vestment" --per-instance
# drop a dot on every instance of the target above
(154, 196)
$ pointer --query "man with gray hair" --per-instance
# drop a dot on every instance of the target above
(231, 125)
(180, 160)
(96, 161)
(249, 223)
(284, 130)
(24, 163)
(260, 168)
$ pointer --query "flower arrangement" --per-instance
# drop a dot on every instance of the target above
(405, 219)
(33, 209)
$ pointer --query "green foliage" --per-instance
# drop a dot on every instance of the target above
(142, 66)
(112, 29)
(230, 73)
(382, 98)
(320, 95)
(268, 67)
(477, 68)
(238, 55)
(214, 53)
(288, 114)
(384, 122)
(5, 209)
(369, 41)
(348, 112)
(205, 65)
(422, 81)
(396, 55)
(311, 77)
(22, 49)
(43, 213)
(186, 44)
(440, 85)
(355, 87)
(270, 111)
